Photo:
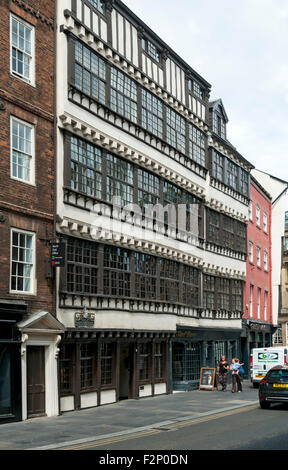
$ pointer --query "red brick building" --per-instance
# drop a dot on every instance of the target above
(26, 205)
(257, 318)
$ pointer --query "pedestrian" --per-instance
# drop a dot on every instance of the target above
(223, 368)
(236, 381)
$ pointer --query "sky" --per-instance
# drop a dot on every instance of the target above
(241, 48)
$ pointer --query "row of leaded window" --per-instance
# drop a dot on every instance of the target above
(108, 85)
(221, 293)
(88, 364)
(226, 232)
(128, 274)
(227, 172)
(99, 174)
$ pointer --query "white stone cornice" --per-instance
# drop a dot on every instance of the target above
(106, 236)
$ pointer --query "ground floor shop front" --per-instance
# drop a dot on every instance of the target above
(192, 349)
(102, 367)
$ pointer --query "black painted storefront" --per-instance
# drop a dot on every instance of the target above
(193, 348)
(10, 361)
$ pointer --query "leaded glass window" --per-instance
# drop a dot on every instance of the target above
(159, 360)
(151, 50)
(90, 72)
(152, 114)
(145, 276)
(85, 167)
(123, 95)
(197, 145)
(217, 166)
(98, 4)
(237, 295)
(190, 283)
(86, 365)
(116, 271)
(120, 180)
(148, 188)
(223, 293)
(106, 363)
(176, 130)
(231, 174)
(208, 291)
(81, 266)
(169, 280)
(144, 357)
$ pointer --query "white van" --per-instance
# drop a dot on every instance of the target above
(263, 359)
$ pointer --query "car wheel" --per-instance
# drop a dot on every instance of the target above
(264, 405)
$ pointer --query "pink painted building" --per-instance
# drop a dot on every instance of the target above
(257, 318)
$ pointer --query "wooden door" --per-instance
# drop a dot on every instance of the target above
(35, 381)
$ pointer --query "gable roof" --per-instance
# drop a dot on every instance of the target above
(219, 103)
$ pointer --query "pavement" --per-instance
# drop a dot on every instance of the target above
(122, 418)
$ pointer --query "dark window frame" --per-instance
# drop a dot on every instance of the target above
(180, 145)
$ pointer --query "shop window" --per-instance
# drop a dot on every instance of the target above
(158, 358)
(86, 365)
(106, 363)
(66, 368)
(144, 356)
(5, 381)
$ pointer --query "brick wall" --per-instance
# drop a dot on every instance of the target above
(24, 206)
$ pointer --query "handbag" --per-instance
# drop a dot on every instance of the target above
(241, 370)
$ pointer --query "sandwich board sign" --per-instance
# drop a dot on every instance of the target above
(208, 379)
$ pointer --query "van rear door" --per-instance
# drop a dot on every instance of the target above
(264, 359)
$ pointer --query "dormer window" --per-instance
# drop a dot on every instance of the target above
(196, 89)
(97, 4)
(151, 50)
(219, 125)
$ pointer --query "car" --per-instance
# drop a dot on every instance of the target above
(273, 388)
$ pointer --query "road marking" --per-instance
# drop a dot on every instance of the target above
(174, 427)
(112, 441)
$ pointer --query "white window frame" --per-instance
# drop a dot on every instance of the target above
(251, 300)
(251, 251)
(31, 79)
(250, 210)
(33, 262)
(265, 304)
(265, 222)
(32, 157)
(265, 260)
(259, 303)
(278, 336)
(258, 215)
(258, 251)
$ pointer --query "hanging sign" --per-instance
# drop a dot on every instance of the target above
(58, 254)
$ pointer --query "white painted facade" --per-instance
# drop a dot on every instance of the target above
(84, 122)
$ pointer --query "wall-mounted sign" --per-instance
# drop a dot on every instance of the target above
(58, 254)
(208, 379)
(84, 319)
